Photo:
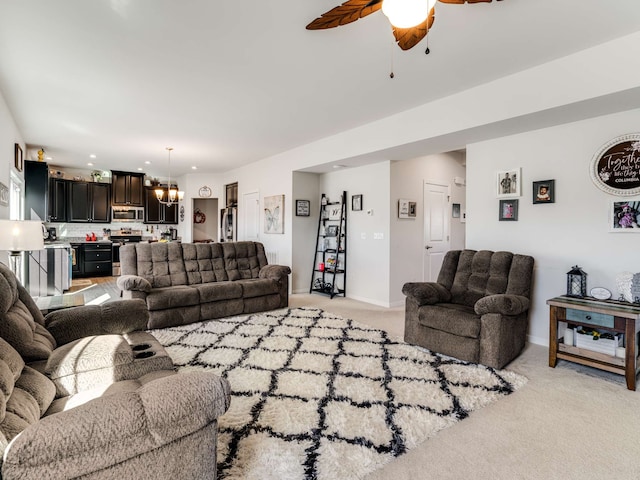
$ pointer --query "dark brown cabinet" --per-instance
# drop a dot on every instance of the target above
(127, 189)
(156, 212)
(96, 259)
(36, 180)
(89, 202)
(57, 208)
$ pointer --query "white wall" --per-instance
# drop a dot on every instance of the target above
(407, 234)
(368, 260)
(574, 229)
(306, 186)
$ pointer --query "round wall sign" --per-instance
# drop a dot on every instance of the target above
(204, 191)
(615, 168)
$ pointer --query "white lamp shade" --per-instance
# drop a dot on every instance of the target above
(21, 235)
(407, 13)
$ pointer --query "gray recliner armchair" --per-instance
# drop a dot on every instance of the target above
(84, 393)
(477, 310)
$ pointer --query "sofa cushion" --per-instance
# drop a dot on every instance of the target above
(161, 264)
(451, 318)
(258, 287)
(243, 260)
(104, 359)
(204, 263)
(213, 292)
(25, 394)
(172, 297)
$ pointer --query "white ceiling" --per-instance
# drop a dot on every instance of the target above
(229, 83)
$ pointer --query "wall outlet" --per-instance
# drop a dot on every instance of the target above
(378, 236)
(363, 236)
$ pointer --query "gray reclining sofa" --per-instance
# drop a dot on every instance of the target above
(191, 282)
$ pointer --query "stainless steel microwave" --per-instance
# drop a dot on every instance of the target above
(127, 214)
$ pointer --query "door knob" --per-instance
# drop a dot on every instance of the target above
(428, 247)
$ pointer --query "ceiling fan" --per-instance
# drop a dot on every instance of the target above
(407, 35)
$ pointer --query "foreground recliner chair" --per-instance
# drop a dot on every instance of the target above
(477, 310)
(84, 393)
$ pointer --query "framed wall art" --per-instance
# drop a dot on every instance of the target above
(332, 231)
(455, 210)
(356, 203)
(509, 183)
(334, 212)
(274, 214)
(412, 209)
(17, 153)
(4, 195)
(403, 208)
(615, 167)
(544, 191)
(303, 208)
(624, 216)
(508, 210)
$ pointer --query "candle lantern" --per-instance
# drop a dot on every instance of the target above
(576, 282)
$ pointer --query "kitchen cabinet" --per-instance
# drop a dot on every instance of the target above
(156, 212)
(127, 189)
(57, 208)
(36, 181)
(76, 260)
(89, 202)
(96, 259)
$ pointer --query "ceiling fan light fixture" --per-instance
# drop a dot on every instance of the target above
(407, 13)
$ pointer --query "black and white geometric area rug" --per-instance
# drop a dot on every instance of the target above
(316, 396)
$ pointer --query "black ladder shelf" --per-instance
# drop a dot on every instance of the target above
(329, 273)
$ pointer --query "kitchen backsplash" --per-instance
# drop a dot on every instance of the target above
(67, 230)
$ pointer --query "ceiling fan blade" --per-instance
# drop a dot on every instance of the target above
(409, 37)
(348, 12)
(460, 2)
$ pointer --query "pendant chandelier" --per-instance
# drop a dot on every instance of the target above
(173, 195)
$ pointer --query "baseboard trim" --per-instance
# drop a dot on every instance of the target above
(538, 341)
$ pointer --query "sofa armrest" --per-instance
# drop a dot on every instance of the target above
(117, 428)
(133, 283)
(426, 293)
(275, 272)
(504, 304)
(115, 317)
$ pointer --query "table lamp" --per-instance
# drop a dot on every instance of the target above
(17, 236)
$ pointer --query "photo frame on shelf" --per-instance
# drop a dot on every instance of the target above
(303, 208)
(356, 203)
(18, 160)
(624, 216)
(508, 210)
(332, 231)
(509, 183)
(544, 191)
(334, 212)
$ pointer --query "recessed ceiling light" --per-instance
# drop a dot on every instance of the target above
(92, 155)
(194, 168)
(338, 166)
(140, 168)
(48, 158)
(90, 164)
(147, 162)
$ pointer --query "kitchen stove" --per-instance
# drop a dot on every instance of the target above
(119, 238)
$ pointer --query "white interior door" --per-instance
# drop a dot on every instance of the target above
(436, 229)
(251, 216)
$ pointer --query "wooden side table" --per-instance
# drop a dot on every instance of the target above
(611, 316)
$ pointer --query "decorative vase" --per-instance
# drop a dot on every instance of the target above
(568, 337)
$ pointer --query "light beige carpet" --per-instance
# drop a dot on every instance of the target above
(564, 424)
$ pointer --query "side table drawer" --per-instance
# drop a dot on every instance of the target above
(591, 318)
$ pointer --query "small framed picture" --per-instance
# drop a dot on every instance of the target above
(544, 191)
(17, 153)
(625, 216)
(455, 210)
(403, 208)
(508, 210)
(356, 203)
(412, 209)
(303, 208)
(332, 231)
(508, 183)
(335, 212)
